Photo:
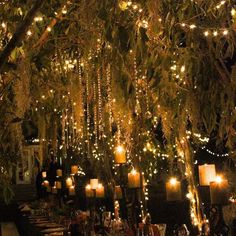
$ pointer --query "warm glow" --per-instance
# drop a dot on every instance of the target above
(219, 179)
(133, 172)
(88, 187)
(100, 186)
(173, 181)
(119, 149)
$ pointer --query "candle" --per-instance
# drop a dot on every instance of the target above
(134, 179)
(54, 190)
(72, 190)
(100, 192)
(58, 184)
(118, 192)
(219, 191)
(173, 190)
(45, 183)
(94, 183)
(44, 174)
(88, 191)
(120, 157)
(59, 172)
(68, 182)
(74, 169)
(207, 174)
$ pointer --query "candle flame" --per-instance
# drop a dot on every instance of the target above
(218, 179)
(100, 186)
(88, 187)
(173, 181)
(119, 149)
(133, 172)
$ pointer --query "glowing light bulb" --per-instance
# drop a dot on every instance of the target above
(233, 12)
(206, 33)
(192, 26)
(225, 32)
(215, 33)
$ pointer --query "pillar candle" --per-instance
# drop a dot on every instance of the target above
(59, 172)
(219, 191)
(44, 174)
(207, 174)
(134, 179)
(68, 182)
(173, 190)
(120, 155)
(118, 192)
(74, 170)
(100, 192)
(88, 191)
(72, 190)
(54, 190)
(58, 184)
(94, 183)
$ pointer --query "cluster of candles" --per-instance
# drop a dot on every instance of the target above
(58, 183)
(94, 189)
(219, 186)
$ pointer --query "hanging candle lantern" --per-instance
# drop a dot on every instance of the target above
(94, 183)
(44, 174)
(219, 191)
(100, 192)
(68, 182)
(88, 191)
(54, 190)
(173, 190)
(120, 155)
(59, 172)
(72, 190)
(134, 179)
(58, 184)
(118, 192)
(207, 174)
(74, 170)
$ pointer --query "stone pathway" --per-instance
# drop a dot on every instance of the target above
(8, 229)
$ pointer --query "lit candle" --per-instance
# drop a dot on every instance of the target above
(45, 183)
(207, 174)
(54, 190)
(88, 191)
(120, 157)
(134, 179)
(118, 192)
(68, 182)
(74, 170)
(59, 172)
(94, 183)
(219, 191)
(72, 190)
(100, 192)
(44, 174)
(173, 190)
(58, 184)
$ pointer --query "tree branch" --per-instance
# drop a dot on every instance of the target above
(19, 33)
